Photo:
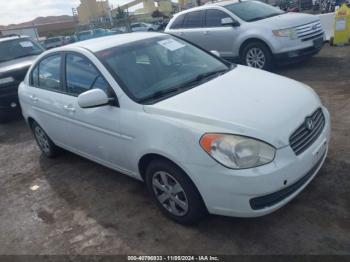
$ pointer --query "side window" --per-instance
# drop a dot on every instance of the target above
(50, 73)
(82, 76)
(193, 19)
(178, 22)
(213, 17)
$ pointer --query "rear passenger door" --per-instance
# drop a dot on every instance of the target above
(217, 36)
(190, 26)
(46, 96)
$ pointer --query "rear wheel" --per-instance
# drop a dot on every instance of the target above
(174, 193)
(47, 147)
(257, 55)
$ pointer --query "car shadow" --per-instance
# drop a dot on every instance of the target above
(122, 205)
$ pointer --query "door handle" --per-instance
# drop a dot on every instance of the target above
(34, 98)
(69, 108)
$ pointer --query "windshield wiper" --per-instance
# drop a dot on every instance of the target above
(262, 17)
(187, 85)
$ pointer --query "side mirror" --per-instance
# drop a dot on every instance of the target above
(93, 98)
(229, 21)
(216, 53)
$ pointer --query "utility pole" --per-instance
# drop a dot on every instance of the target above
(109, 10)
(75, 18)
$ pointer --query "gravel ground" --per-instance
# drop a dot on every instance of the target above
(81, 207)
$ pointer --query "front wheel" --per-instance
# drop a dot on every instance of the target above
(257, 55)
(174, 193)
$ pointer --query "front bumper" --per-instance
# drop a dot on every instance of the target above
(295, 55)
(299, 52)
(261, 190)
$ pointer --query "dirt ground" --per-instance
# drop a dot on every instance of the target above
(81, 207)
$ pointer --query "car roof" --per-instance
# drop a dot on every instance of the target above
(220, 3)
(7, 38)
(102, 43)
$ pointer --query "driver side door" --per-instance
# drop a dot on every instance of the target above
(214, 30)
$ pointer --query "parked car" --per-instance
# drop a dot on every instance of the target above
(69, 40)
(16, 55)
(252, 32)
(85, 35)
(203, 134)
(99, 32)
(53, 42)
(143, 27)
(95, 33)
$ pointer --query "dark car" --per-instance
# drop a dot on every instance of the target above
(53, 42)
(16, 55)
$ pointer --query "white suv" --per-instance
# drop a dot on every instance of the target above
(204, 135)
(250, 32)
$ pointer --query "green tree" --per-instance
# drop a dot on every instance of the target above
(120, 13)
(156, 13)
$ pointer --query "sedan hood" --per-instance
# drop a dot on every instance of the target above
(244, 101)
(16, 64)
(288, 20)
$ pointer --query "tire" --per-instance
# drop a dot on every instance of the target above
(192, 208)
(3, 118)
(47, 147)
(255, 52)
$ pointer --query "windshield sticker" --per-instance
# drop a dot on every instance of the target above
(26, 44)
(171, 44)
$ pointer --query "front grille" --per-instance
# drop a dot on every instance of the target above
(309, 31)
(304, 136)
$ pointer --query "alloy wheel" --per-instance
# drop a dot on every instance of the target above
(42, 139)
(170, 193)
(255, 57)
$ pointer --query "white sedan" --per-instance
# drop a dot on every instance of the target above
(204, 135)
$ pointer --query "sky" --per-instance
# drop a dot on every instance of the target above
(18, 11)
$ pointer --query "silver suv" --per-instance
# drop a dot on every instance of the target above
(250, 32)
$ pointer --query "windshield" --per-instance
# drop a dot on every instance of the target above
(250, 11)
(18, 48)
(157, 68)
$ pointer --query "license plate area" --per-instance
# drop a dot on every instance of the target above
(318, 43)
(320, 151)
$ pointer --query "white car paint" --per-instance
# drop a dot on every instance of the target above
(244, 101)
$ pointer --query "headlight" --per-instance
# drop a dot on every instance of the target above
(285, 33)
(6, 80)
(237, 152)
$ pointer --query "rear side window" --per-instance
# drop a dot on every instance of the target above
(178, 22)
(82, 76)
(47, 74)
(213, 17)
(193, 19)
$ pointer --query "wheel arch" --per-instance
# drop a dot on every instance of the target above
(252, 40)
(30, 121)
(146, 159)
